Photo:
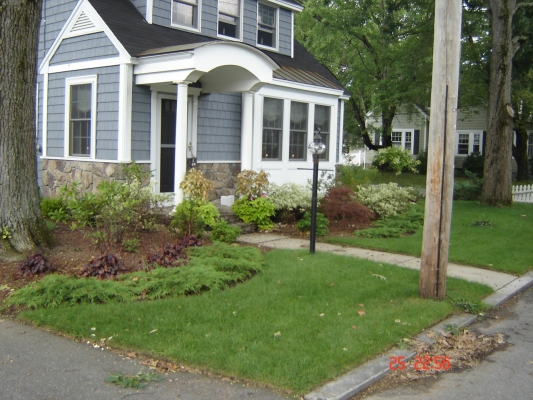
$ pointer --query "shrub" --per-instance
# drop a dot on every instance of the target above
(106, 266)
(289, 196)
(386, 199)
(395, 159)
(35, 264)
(52, 205)
(196, 186)
(468, 190)
(223, 232)
(187, 220)
(304, 225)
(208, 212)
(474, 163)
(340, 206)
(423, 160)
(354, 175)
(398, 225)
(257, 211)
(251, 184)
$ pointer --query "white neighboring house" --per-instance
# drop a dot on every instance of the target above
(220, 84)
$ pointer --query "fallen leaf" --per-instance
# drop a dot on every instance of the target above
(152, 331)
(354, 327)
(277, 334)
(361, 312)
(362, 305)
(397, 321)
(380, 277)
(322, 314)
(345, 349)
(4, 287)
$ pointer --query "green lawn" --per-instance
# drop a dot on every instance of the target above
(504, 247)
(294, 326)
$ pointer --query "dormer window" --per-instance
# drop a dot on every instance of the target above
(185, 13)
(229, 13)
(266, 25)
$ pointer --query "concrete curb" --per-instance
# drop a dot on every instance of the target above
(348, 385)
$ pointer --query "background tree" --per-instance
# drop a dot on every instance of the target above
(20, 215)
(497, 185)
(379, 50)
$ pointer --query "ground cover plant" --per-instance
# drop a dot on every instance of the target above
(322, 314)
(502, 247)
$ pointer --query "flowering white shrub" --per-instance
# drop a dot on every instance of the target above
(395, 159)
(387, 199)
(290, 196)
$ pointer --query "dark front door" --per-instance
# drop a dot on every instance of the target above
(168, 145)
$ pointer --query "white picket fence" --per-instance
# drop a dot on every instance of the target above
(523, 193)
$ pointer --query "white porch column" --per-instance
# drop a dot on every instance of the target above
(180, 163)
(247, 127)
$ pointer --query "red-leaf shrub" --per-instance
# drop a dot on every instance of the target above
(342, 209)
(35, 264)
(105, 267)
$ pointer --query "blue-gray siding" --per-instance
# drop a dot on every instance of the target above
(141, 6)
(209, 18)
(84, 48)
(219, 127)
(161, 12)
(54, 15)
(140, 123)
(285, 31)
(106, 114)
(250, 22)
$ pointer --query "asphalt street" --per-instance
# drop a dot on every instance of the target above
(505, 374)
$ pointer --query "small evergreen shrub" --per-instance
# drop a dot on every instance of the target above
(468, 190)
(340, 206)
(258, 211)
(353, 176)
(395, 159)
(474, 163)
(223, 232)
(304, 225)
(187, 220)
(386, 199)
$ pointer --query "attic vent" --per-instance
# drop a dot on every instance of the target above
(83, 23)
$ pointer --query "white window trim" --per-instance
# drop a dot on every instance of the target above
(80, 80)
(470, 142)
(404, 131)
(240, 26)
(276, 34)
(198, 29)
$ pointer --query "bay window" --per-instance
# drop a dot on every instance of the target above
(272, 128)
(322, 123)
(298, 132)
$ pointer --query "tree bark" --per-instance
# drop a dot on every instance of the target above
(20, 213)
(497, 184)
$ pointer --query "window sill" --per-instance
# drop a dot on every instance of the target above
(186, 28)
(262, 46)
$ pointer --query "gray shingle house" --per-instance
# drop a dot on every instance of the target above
(168, 83)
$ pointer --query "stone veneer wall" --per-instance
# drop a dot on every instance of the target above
(223, 175)
(57, 173)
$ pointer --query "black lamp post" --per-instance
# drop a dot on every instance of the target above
(316, 148)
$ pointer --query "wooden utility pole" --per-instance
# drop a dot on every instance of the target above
(442, 139)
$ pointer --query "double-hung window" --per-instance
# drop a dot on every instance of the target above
(298, 132)
(403, 139)
(322, 123)
(272, 128)
(266, 25)
(80, 112)
(469, 142)
(229, 16)
(185, 13)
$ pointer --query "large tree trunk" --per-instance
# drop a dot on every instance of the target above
(497, 185)
(20, 213)
(520, 154)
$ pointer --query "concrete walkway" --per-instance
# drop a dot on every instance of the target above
(346, 386)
